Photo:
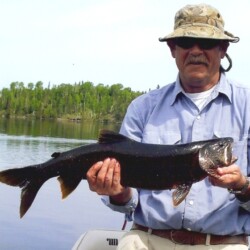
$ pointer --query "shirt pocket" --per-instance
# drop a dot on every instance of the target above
(161, 137)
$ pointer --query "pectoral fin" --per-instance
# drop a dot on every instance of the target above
(180, 194)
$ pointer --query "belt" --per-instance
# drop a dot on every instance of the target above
(193, 238)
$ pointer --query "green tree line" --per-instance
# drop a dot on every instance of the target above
(81, 100)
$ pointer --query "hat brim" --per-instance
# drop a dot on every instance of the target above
(200, 31)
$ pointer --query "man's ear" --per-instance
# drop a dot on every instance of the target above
(171, 45)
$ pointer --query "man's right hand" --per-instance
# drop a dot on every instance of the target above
(104, 179)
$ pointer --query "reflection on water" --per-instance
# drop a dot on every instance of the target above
(50, 223)
(30, 150)
(51, 128)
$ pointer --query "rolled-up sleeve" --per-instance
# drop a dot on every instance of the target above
(127, 209)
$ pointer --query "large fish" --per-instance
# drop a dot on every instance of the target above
(145, 166)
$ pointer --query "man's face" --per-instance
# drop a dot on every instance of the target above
(198, 61)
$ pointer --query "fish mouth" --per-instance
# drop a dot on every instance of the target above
(228, 154)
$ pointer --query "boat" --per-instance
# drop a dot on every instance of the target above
(99, 239)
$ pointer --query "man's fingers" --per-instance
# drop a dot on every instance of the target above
(229, 177)
(117, 174)
(102, 173)
(104, 177)
(92, 175)
(108, 180)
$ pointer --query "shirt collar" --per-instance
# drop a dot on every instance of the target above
(222, 88)
(177, 90)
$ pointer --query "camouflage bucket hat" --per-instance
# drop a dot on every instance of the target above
(199, 21)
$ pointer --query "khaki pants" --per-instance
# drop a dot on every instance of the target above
(139, 240)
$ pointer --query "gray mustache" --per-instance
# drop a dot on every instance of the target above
(196, 60)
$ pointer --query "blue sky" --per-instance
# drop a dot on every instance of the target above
(103, 41)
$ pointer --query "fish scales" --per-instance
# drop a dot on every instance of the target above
(144, 166)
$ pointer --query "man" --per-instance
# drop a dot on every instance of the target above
(201, 104)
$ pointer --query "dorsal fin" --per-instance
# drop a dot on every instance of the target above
(107, 136)
(56, 154)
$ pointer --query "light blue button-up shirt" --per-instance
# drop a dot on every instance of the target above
(167, 116)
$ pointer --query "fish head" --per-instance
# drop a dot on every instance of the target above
(216, 153)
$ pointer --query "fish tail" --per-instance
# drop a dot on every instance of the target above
(28, 180)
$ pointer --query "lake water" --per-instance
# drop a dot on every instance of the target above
(50, 223)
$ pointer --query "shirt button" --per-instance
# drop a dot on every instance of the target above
(198, 117)
(189, 229)
(191, 202)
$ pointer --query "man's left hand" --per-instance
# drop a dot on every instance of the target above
(230, 177)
